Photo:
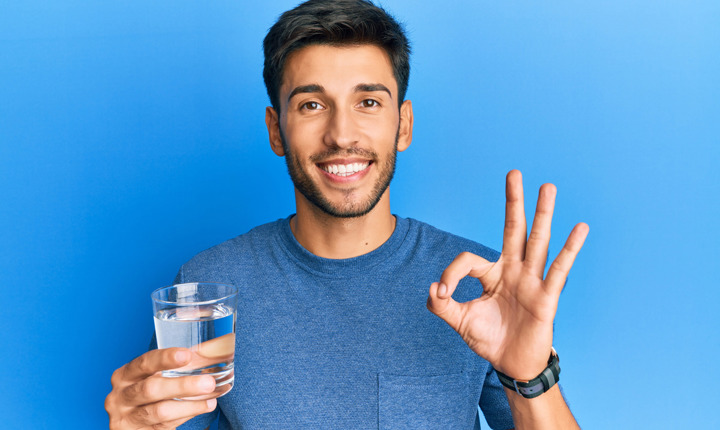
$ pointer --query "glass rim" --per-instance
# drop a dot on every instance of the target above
(206, 302)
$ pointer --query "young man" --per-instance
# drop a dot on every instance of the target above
(334, 329)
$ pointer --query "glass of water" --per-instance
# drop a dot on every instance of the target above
(199, 316)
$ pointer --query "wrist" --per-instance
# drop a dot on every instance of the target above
(536, 386)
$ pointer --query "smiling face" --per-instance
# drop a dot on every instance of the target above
(340, 127)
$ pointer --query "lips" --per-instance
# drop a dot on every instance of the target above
(345, 169)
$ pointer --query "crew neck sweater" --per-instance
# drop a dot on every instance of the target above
(347, 343)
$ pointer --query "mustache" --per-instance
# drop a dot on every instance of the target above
(340, 153)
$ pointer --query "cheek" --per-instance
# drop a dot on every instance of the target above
(379, 128)
(304, 132)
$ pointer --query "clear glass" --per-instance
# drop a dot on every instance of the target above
(199, 316)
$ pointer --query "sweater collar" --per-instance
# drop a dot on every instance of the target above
(340, 267)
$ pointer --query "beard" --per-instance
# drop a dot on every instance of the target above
(348, 208)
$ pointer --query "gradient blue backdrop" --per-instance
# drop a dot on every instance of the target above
(132, 137)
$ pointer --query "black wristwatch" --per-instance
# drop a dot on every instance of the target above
(533, 388)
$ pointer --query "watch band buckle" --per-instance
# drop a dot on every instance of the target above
(517, 389)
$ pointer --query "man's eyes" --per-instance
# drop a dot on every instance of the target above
(367, 104)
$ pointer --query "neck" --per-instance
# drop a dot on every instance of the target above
(338, 238)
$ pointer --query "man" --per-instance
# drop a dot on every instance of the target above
(334, 329)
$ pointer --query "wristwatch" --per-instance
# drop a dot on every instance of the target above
(535, 387)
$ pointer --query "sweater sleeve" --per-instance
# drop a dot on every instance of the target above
(494, 403)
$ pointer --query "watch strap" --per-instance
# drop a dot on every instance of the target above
(540, 384)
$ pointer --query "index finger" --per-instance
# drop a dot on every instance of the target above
(154, 361)
(465, 264)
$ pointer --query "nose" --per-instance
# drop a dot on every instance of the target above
(342, 131)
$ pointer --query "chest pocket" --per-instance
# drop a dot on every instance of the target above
(432, 402)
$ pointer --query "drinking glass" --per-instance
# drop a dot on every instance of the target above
(199, 316)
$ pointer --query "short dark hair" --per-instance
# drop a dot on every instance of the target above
(334, 22)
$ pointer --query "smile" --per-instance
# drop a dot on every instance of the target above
(345, 169)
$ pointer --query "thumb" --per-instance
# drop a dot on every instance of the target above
(441, 303)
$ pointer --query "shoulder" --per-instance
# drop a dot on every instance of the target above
(258, 235)
(430, 239)
(236, 252)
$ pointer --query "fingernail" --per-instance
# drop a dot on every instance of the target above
(442, 290)
(182, 356)
(211, 403)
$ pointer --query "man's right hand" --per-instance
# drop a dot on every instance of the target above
(142, 399)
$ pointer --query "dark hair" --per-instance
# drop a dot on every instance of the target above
(334, 22)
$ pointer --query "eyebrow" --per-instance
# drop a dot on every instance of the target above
(312, 88)
(359, 88)
(368, 88)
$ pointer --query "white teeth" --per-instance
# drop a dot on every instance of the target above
(345, 169)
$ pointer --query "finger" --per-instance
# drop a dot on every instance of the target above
(441, 303)
(539, 239)
(152, 362)
(514, 235)
(171, 425)
(465, 264)
(157, 388)
(559, 269)
(167, 413)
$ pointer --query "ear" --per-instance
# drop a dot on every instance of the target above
(273, 125)
(406, 126)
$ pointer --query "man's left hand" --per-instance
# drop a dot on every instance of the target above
(511, 324)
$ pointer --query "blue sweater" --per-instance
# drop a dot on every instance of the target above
(347, 344)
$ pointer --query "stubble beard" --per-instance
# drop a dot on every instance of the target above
(348, 209)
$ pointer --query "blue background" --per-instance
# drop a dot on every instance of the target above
(132, 137)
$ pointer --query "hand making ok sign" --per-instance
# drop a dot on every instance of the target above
(511, 324)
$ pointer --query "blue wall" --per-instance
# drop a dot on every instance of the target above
(132, 137)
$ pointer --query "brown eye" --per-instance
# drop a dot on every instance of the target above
(311, 106)
(370, 103)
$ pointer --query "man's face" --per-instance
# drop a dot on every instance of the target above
(340, 126)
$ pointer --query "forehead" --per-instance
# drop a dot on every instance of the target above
(337, 68)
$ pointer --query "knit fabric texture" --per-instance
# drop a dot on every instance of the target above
(347, 344)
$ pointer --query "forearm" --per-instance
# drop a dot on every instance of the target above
(548, 411)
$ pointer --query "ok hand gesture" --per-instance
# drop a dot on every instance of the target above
(511, 324)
